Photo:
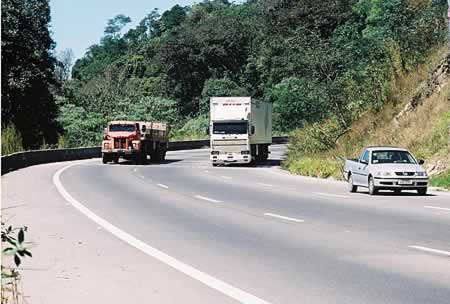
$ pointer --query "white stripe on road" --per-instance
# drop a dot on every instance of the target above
(163, 186)
(263, 184)
(334, 195)
(438, 208)
(225, 288)
(284, 217)
(426, 249)
(207, 199)
(226, 177)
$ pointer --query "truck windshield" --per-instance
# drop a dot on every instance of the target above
(392, 157)
(230, 128)
(121, 128)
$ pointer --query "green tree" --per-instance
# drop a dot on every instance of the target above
(28, 71)
(298, 101)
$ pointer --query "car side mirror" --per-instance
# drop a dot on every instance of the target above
(421, 161)
(143, 128)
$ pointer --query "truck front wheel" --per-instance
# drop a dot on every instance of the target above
(105, 158)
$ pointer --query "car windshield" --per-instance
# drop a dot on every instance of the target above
(121, 128)
(230, 128)
(392, 157)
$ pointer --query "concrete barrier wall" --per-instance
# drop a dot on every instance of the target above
(30, 158)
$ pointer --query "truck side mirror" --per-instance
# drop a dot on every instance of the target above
(207, 131)
(252, 130)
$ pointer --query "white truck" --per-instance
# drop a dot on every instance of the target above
(240, 130)
(386, 168)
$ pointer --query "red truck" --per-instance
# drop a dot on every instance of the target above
(135, 140)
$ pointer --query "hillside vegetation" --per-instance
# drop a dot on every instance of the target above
(415, 116)
(314, 60)
(323, 64)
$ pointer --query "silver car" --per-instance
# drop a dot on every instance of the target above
(386, 168)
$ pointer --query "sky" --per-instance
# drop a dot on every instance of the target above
(78, 24)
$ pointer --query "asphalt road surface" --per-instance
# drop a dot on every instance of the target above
(186, 232)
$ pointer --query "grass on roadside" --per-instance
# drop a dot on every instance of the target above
(442, 180)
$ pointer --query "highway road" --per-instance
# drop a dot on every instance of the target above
(186, 232)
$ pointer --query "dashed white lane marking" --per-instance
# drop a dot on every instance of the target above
(225, 177)
(221, 286)
(334, 195)
(135, 170)
(284, 217)
(265, 185)
(141, 176)
(206, 171)
(431, 250)
(163, 186)
(438, 208)
(207, 199)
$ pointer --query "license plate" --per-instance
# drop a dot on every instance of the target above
(405, 182)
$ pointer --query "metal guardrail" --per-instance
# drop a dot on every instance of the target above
(25, 159)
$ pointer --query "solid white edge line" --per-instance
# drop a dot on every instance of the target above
(190, 271)
(207, 199)
(438, 208)
(163, 186)
(284, 217)
(225, 177)
(334, 195)
(432, 250)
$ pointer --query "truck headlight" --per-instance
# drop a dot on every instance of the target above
(245, 152)
(421, 173)
(214, 152)
(381, 173)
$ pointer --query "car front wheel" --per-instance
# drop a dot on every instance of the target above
(422, 191)
(372, 189)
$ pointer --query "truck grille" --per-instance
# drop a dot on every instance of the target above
(230, 149)
(230, 146)
(230, 142)
(405, 173)
(120, 143)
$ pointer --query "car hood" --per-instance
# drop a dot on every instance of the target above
(399, 167)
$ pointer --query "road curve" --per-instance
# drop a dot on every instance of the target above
(186, 232)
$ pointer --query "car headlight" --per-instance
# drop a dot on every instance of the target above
(421, 173)
(381, 173)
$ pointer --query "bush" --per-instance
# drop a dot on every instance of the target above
(11, 140)
(314, 138)
(442, 180)
(193, 129)
(316, 167)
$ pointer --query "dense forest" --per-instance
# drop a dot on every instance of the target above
(314, 60)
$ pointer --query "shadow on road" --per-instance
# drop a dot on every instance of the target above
(147, 163)
(391, 193)
(258, 164)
